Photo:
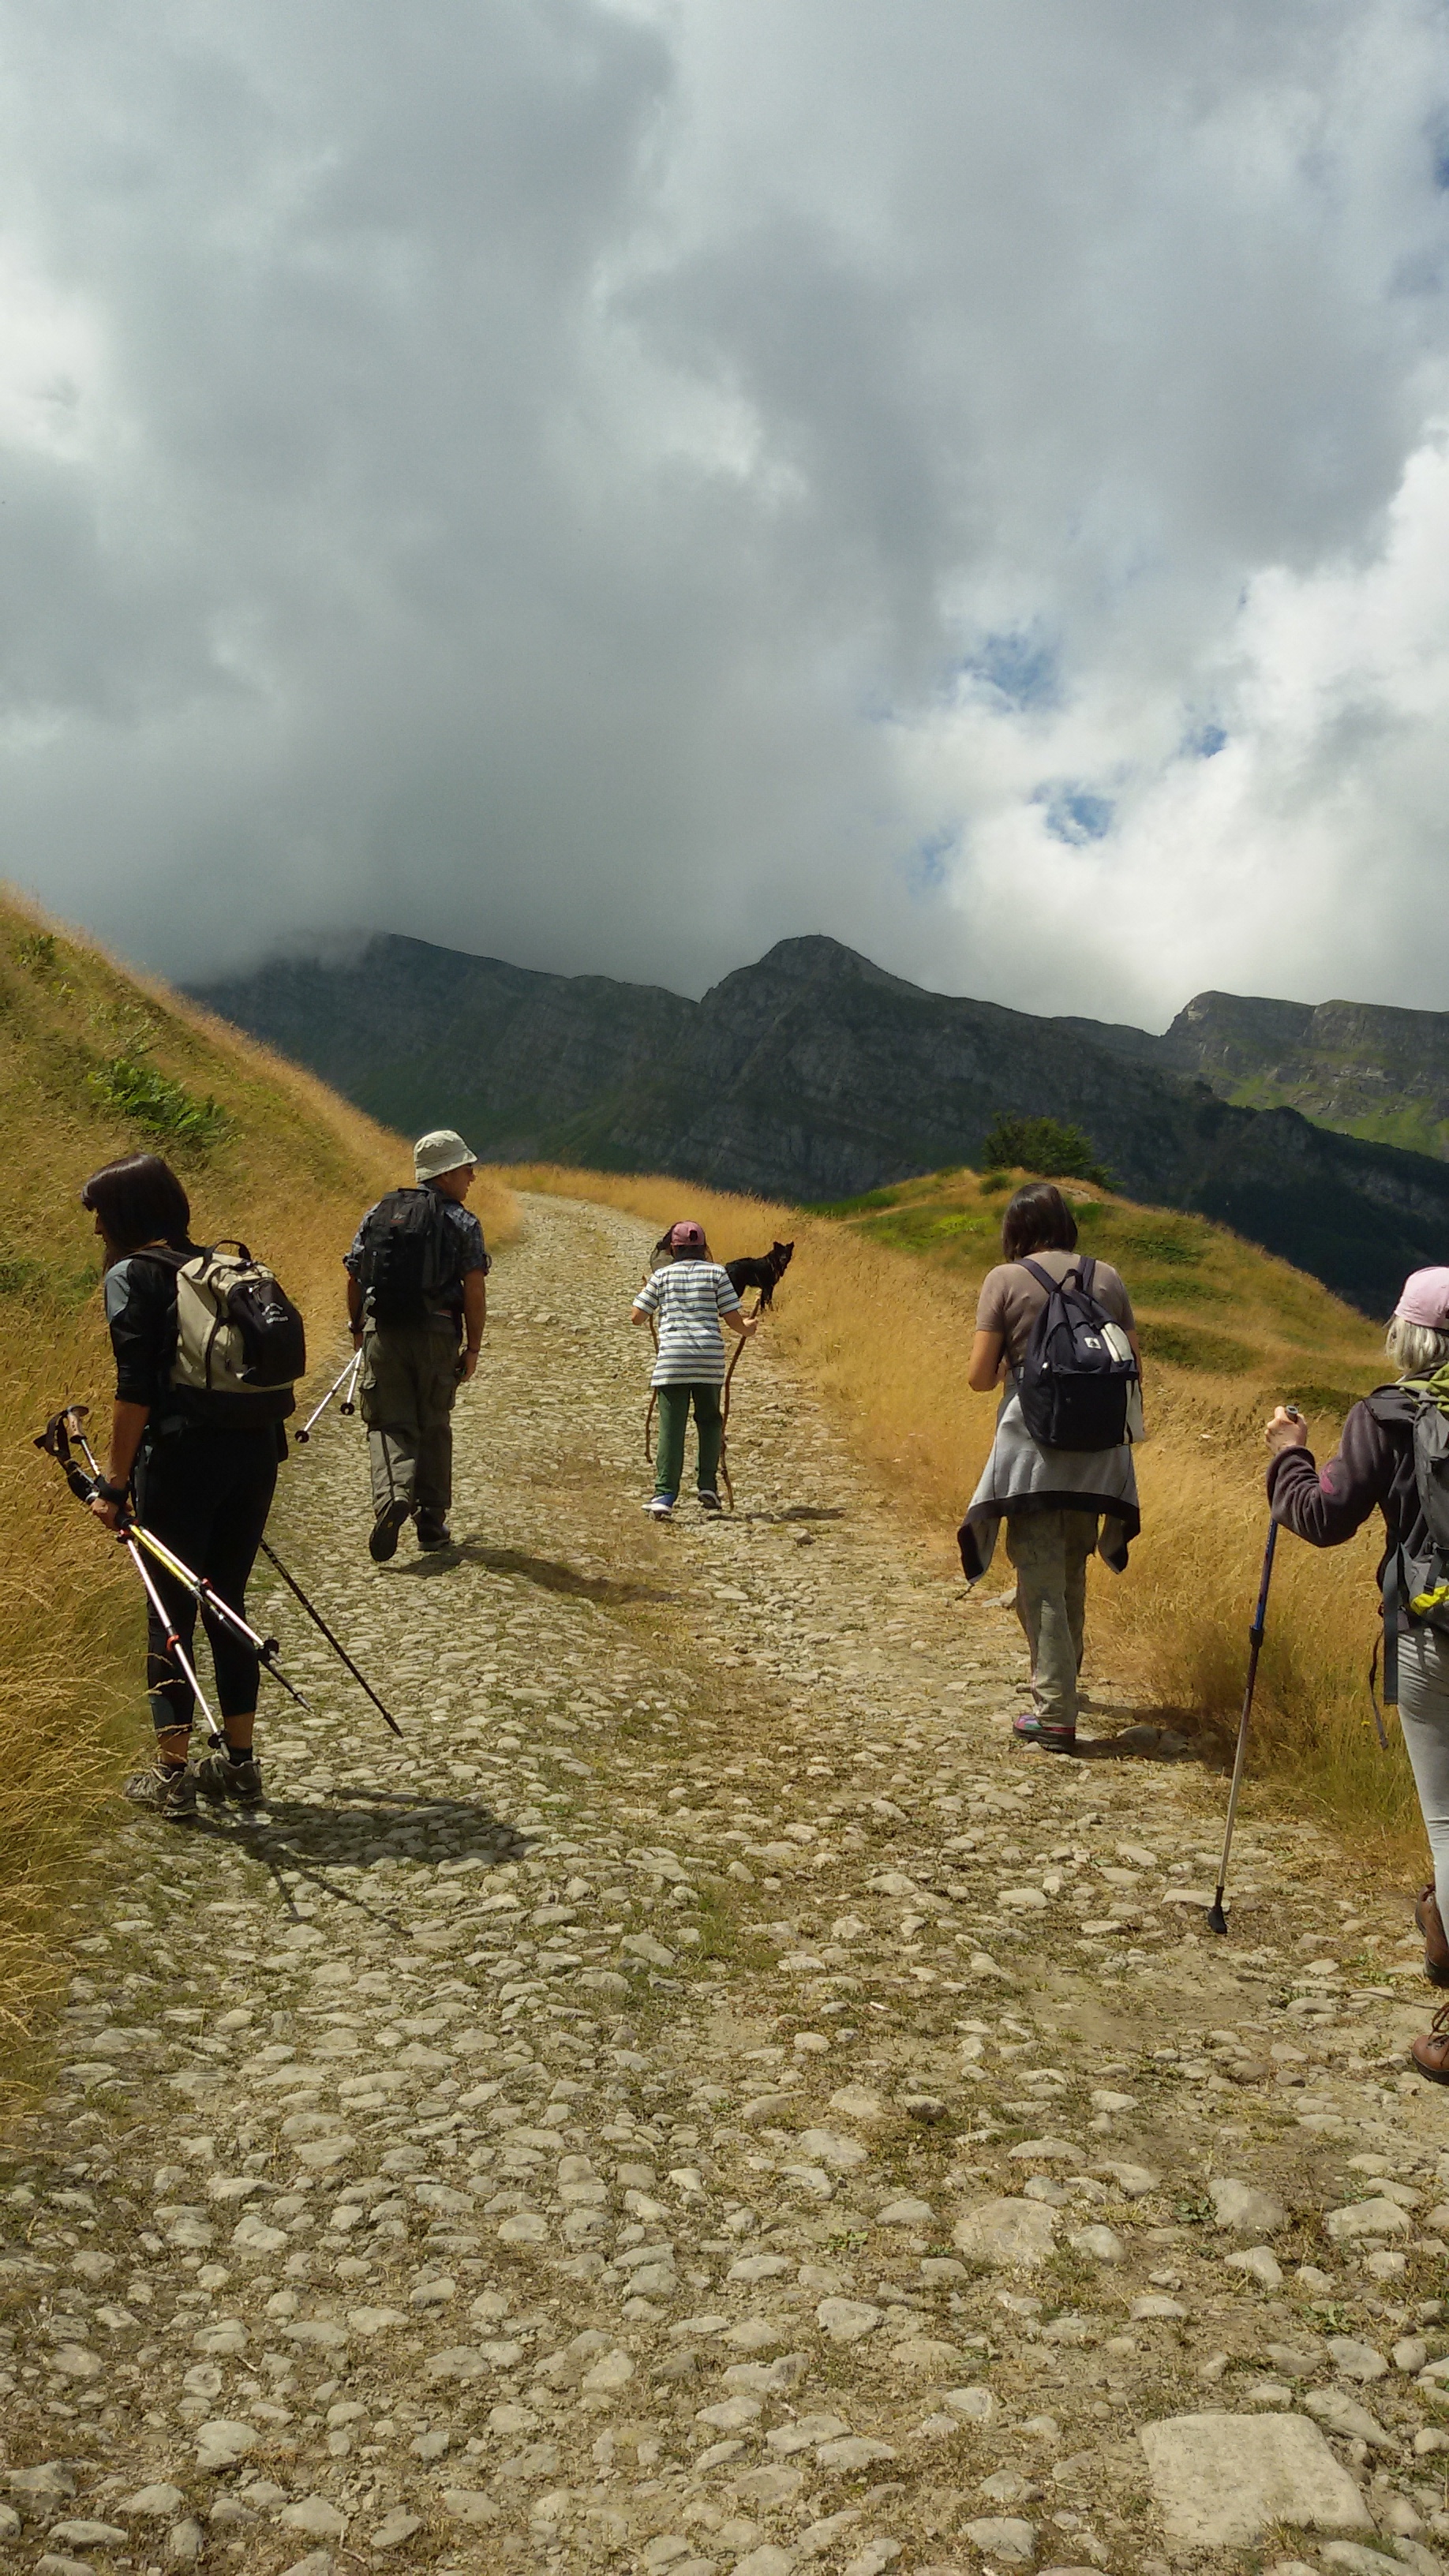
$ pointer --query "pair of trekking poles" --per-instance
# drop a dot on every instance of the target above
(142, 1544)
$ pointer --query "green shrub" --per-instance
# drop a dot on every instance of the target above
(153, 1100)
(1046, 1145)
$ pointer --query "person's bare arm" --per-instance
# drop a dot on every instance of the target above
(128, 1422)
(987, 1366)
(355, 1293)
(739, 1323)
(475, 1316)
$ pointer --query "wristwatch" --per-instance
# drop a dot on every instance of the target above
(110, 1493)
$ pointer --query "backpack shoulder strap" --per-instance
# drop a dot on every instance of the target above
(1042, 1277)
(1086, 1273)
(165, 1253)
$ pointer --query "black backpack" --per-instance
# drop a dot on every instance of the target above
(1416, 1588)
(405, 1256)
(1078, 1373)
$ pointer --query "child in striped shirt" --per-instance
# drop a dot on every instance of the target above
(692, 1296)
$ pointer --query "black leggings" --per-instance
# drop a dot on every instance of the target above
(207, 1495)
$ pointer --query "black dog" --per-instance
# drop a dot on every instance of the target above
(764, 1273)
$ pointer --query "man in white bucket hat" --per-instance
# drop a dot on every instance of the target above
(417, 1302)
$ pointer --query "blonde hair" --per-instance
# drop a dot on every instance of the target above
(1416, 1350)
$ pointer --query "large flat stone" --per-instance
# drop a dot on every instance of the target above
(1014, 2235)
(1221, 2481)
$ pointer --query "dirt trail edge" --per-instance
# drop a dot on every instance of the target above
(707, 2100)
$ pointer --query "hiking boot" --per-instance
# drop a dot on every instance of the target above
(660, 1507)
(1436, 1945)
(709, 1500)
(383, 1542)
(170, 1793)
(1030, 1729)
(433, 1530)
(1430, 2052)
(218, 1777)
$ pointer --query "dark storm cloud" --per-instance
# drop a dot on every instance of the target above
(613, 486)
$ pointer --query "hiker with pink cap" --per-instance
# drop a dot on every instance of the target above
(1394, 1457)
(693, 1296)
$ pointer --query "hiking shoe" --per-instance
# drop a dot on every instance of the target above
(1430, 2051)
(433, 1530)
(383, 1541)
(1030, 1729)
(709, 1500)
(171, 1794)
(1436, 1947)
(660, 1507)
(218, 1777)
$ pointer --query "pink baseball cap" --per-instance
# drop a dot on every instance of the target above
(687, 1232)
(1425, 1300)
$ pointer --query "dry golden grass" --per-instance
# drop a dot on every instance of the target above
(291, 1170)
(879, 1309)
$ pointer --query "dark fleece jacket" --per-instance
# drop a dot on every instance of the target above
(1373, 1465)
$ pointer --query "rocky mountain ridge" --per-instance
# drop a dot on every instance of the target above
(814, 1075)
(1363, 1068)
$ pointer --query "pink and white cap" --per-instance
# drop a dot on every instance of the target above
(1425, 1300)
(687, 1233)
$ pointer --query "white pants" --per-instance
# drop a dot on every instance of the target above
(1424, 1719)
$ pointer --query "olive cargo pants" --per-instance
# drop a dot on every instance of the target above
(409, 1380)
(1049, 1551)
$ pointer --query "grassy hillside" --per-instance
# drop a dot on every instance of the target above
(95, 1063)
(879, 1307)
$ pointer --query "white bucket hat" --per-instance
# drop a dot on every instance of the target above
(442, 1150)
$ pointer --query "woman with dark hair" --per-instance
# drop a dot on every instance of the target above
(1060, 1506)
(203, 1469)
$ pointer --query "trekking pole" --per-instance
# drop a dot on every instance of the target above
(55, 1439)
(174, 1646)
(736, 1355)
(304, 1434)
(349, 1401)
(315, 1615)
(1217, 1921)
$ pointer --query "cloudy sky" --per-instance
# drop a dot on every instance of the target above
(615, 485)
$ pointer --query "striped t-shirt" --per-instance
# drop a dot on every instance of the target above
(689, 1298)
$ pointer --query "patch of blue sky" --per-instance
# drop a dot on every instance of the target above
(1020, 666)
(1439, 150)
(1204, 742)
(928, 867)
(1076, 814)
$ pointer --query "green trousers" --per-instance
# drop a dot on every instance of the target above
(674, 1403)
(409, 1380)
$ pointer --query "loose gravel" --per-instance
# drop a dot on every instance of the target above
(707, 2101)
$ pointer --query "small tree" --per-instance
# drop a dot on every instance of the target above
(1045, 1145)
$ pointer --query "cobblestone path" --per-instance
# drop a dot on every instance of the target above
(706, 2100)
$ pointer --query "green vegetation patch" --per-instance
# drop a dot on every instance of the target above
(1188, 1346)
(1049, 1146)
(139, 1092)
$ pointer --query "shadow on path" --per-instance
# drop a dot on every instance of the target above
(545, 1571)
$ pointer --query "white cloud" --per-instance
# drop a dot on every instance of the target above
(615, 486)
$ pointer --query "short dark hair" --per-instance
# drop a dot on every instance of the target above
(138, 1199)
(1037, 1219)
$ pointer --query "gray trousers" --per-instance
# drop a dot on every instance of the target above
(1424, 1722)
(409, 1380)
(1049, 1551)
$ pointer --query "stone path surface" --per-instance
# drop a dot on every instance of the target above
(706, 2101)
